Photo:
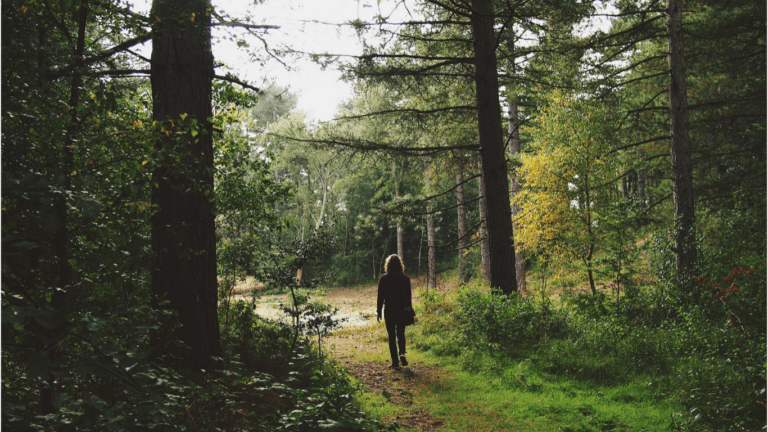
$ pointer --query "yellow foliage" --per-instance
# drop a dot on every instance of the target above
(565, 181)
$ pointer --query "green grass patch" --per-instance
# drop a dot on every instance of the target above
(480, 394)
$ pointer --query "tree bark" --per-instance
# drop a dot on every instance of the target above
(60, 297)
(396, 176)
(183, 231)
(485, 255)
(515, 188)
(431, 263)
(498, 214)
(624, 187)
(682, 178)
(461, 212)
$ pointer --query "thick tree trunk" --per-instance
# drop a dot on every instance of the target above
(183, 232)
(461, 211)
(431, 263)
(485, 254)
(682, 177)
(498, 212)
(515, 188)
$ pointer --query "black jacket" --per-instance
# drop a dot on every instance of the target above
(394, 292)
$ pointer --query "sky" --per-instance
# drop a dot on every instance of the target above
(307, 26)
(311, 26)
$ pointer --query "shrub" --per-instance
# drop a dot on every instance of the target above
(502, 321)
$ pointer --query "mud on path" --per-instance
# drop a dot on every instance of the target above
(362, 348)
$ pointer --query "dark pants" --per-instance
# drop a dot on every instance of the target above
(394, 329)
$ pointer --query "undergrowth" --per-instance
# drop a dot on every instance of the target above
(648, 359)
(265, 382)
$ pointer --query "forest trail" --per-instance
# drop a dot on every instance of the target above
(361, 352)
(361, 347)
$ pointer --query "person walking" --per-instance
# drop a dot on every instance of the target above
(395, 296)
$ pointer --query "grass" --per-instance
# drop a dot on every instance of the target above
(378, 406)
(523, 398)
(528, 388)
(560, 361)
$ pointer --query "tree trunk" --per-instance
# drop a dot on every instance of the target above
(641, 190)
(461, 211)
(431, 264)
(515, 188)
(183, 232)
(498, 212)
(624, 187)
(319, 219)
(682, 179)
(712, 141)
(397, 175)
(485, 255)
(61, 237)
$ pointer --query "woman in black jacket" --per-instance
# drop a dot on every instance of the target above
(395, 294)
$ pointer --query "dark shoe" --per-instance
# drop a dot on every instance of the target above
(394, 366)
(403, 361)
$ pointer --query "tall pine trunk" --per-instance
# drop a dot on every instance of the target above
(682, 177)
(183, 232)
(498, 212)
(396, 176)
(485, 255)
(431, 264)
(461, 211)
(515, 188)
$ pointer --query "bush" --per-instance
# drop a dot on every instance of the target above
(502, 321)
(348, 268)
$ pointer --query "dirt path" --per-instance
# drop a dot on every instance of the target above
(365, 353)
(355, 350)
(362, 348)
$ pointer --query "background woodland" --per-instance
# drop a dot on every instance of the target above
(597, 192)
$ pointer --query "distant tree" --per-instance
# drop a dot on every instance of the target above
(682, 171)
(431, 258)
(568, 181)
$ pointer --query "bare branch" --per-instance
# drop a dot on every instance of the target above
(408, 110)
(234, 80)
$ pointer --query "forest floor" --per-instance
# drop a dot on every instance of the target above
(361, 347)
(363, 350)
(435, 393)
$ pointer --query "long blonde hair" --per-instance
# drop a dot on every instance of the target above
(394, 264)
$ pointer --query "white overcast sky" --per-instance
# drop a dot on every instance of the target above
(311, 26)
(305, 25)
(301, 28)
